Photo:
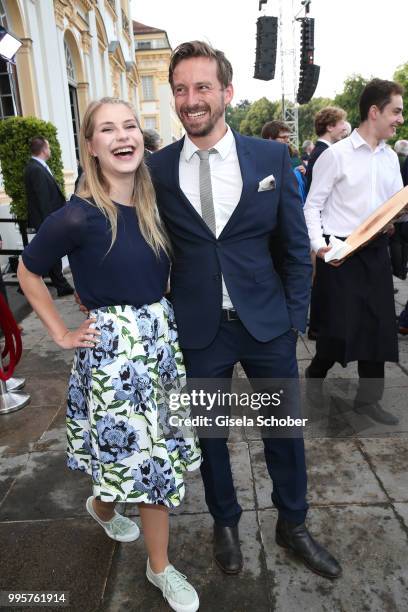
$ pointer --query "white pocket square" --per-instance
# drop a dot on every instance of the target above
(267, 183)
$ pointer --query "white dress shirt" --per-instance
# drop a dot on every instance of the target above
(226, 182)
(43, 163)
(350, 181)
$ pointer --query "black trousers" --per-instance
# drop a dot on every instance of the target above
(371, 375)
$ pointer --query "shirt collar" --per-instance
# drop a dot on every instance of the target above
(42, 162)
(325, 141)
(223, 146)
(358, 141)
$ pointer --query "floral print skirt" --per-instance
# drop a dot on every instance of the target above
(118, 408)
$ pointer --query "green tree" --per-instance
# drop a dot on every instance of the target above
(15, 136)
(307, 113)
(350, 96)
(401, 77)
(260, 112)
(235, 114)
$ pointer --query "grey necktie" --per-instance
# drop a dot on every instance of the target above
(206, 195)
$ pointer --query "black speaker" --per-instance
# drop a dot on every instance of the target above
(266, 44)
(309, 77)
(307, 32)
(309, 72)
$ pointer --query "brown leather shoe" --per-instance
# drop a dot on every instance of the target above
(403, 330)
(227, 550)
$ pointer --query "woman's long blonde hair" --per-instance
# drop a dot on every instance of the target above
(95, 185)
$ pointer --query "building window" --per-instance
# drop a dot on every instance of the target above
(3, 20)
(7, 108)
(69, 64)
(9, 94)
(73, 97)
(156, 43)
(160, 43)
(150, 123)
(147, 88)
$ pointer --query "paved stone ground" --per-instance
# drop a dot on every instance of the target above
(358, 493)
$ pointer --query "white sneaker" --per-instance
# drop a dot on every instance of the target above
(118, 528)
(180, 595)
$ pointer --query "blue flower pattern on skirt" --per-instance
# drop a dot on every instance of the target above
(118, 413)
(76, 403)
(133, 384)
(153, 478)
(116, 439)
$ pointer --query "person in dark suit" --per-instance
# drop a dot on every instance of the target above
(222, 197)
(330, 127)
(404, 172)
(307, 148)
(403, 317)
(44, 196)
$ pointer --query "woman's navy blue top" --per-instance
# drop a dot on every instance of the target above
(129, 273)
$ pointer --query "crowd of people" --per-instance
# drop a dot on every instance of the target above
(222, 214)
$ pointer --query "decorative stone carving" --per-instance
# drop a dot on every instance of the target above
(62, 9)
(86, 42)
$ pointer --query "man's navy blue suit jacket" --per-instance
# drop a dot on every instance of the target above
(270, 295)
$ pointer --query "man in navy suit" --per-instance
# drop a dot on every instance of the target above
(44, 196)
(231, 304)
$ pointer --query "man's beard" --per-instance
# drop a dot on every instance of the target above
(205, 128)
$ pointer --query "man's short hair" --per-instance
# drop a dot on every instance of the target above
(37, 144)
(151, 140)
(328, 116)
(378, 93)
(401, 147)
(272, 129)
(198, 48)
(306, 144)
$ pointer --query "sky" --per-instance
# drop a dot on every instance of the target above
(369, 37)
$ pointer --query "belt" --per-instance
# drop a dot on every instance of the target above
(229, 314)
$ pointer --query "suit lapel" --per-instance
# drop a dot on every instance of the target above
(50, 177)
(180, 193)
(247, 164)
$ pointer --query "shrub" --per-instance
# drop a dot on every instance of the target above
(15, 136)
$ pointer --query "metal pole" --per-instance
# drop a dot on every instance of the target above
(287, 32)
(11, 401)
(15, 384)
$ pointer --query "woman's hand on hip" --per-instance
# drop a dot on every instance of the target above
(83, 337)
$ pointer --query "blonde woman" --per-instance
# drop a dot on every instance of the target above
(127, 354)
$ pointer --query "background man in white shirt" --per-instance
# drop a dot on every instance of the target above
(351, 179)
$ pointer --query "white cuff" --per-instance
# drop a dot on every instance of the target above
(318, 244)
